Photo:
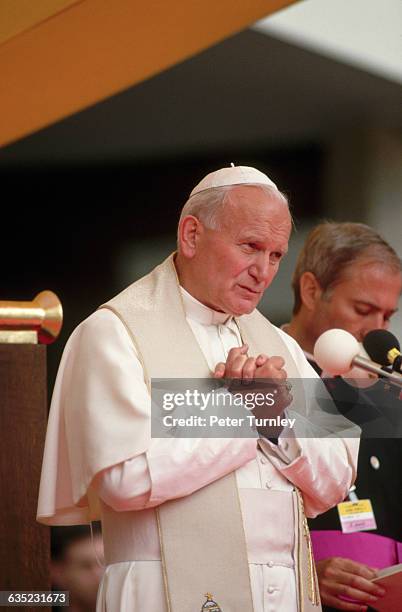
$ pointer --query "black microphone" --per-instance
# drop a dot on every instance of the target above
(384, 348)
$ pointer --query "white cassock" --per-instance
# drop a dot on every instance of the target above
(322, 468)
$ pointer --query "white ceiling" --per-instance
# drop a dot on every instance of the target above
(363, 33)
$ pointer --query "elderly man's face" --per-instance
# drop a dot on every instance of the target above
(364, 299)
(239, 261)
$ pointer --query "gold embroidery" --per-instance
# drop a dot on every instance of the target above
(164, 570)
(313, 591)
(210, 605)
(299, 552)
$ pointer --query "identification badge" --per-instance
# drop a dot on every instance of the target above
(356, 516)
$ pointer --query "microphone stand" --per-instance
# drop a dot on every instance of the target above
(370, 366)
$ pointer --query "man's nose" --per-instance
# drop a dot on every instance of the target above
(381, 322)
(377, 321)
(261, 268)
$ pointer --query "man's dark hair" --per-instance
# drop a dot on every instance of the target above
(62, 537)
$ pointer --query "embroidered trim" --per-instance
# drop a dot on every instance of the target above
(313, 590)
(210, 605)
(164, 569)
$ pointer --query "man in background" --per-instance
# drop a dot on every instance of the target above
(348, 277)
(76, 565)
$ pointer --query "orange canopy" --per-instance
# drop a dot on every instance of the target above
(58, 57)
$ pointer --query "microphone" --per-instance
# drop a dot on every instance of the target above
(336, 351)
(383, 347)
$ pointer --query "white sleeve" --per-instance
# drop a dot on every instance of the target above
(323, 468)
(171, 467)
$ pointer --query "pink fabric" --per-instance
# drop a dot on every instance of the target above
(369, 548)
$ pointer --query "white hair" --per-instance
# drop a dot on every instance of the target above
(208, 205)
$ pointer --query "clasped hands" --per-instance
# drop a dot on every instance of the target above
(258, 375)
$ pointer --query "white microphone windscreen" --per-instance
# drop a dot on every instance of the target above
(335, 350)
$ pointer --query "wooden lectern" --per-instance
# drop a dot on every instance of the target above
(24, 544)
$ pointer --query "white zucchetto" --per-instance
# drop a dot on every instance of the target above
(234, 175)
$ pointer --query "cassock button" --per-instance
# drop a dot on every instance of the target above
(375, 462)
(263, 460)
(267, 485)
(270, 590)
(270, 564)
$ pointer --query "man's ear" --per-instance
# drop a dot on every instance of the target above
(310, 290)
(189, 230)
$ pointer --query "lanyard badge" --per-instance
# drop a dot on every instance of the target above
(356, 514)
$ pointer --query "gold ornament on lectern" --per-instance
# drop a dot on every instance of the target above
(39, 321)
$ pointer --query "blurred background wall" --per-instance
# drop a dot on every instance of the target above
(312, 96)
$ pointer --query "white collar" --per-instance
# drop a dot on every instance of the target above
(197, 311)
